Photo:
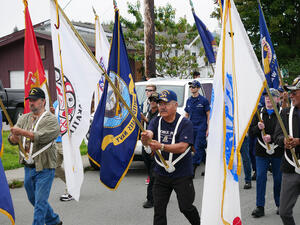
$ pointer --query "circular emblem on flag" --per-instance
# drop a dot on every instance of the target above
(267, 51)
(71, 100)
(115, 111)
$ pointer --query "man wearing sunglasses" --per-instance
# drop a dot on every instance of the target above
(290, 187)
(147, 156)
(197, 110)
(150, 88)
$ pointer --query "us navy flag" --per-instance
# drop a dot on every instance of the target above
(269, 58)
(114, 133)
(209, 43)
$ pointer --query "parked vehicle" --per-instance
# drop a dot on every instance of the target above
(13, 100)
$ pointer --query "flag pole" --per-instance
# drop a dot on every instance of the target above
(11, 125)
(117, 92)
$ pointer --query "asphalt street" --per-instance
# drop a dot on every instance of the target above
(100, 206)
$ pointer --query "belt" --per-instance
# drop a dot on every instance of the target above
(29, 165)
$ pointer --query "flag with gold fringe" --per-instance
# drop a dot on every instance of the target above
(114, 133)
(237, 88)
(6, 205)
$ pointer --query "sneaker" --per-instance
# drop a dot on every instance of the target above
(66, 197)
(247, 185)
(148, 204)
(253, 176)
(258, 212)
(147, 181)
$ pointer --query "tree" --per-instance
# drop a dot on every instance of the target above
(171, 39)
(149, 37)
(283, 21)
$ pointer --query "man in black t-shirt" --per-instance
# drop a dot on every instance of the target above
(172, 134)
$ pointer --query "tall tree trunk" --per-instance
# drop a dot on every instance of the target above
(149, 37)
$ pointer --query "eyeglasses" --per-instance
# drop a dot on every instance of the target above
(162, 103)
(149, 90)
(192, 87)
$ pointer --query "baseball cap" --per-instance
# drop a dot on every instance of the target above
(167, 96)
(195, 83)
(36, 93)
(153, 96)
(295, 85)
(273, 91)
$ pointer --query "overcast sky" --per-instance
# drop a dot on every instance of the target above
(11, 11)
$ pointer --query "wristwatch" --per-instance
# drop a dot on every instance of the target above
(162, 147)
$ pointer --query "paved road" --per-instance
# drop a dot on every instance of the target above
(100, 206)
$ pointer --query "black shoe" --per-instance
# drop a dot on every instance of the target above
(277, 211)
(148, 204)
(60, 223)
(253, 176)
(203, 174)
(258, 212)
(247, 185)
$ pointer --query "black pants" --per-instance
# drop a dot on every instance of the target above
(184, 188)
(149, 163)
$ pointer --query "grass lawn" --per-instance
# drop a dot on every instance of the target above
(10, 158)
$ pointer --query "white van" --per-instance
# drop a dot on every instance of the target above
(179, 86)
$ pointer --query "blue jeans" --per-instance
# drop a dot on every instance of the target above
(262, 165)
(252, 143)
(38, 186)
(246, 159)
(200, 146)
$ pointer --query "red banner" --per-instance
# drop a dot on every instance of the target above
(33, 66)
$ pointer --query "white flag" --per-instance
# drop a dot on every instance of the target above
(80, 74)
(102, 55)
(238, 84)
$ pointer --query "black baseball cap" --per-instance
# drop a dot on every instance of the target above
(36, 93)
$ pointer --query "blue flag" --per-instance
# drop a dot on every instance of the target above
(6, 205)
(209, 43)
(270, 64)
(114, 133)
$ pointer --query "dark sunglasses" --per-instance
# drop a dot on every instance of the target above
(192, 87)
(148, 90)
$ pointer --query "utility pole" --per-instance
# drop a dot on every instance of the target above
(149, 39)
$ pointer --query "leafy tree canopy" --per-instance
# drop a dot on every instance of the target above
(169, 35)
(283, 21)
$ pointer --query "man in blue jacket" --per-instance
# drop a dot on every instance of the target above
(197, 110)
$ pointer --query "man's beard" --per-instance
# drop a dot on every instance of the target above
(36, 110)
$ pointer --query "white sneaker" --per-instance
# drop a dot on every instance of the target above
(66, 197)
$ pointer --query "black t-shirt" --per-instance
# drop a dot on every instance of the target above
(184, 133)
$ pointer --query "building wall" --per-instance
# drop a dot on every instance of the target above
(12, 59)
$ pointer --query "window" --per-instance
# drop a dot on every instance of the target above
(17, 79)
(42, 51)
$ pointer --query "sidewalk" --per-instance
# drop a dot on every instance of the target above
(18, 174)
